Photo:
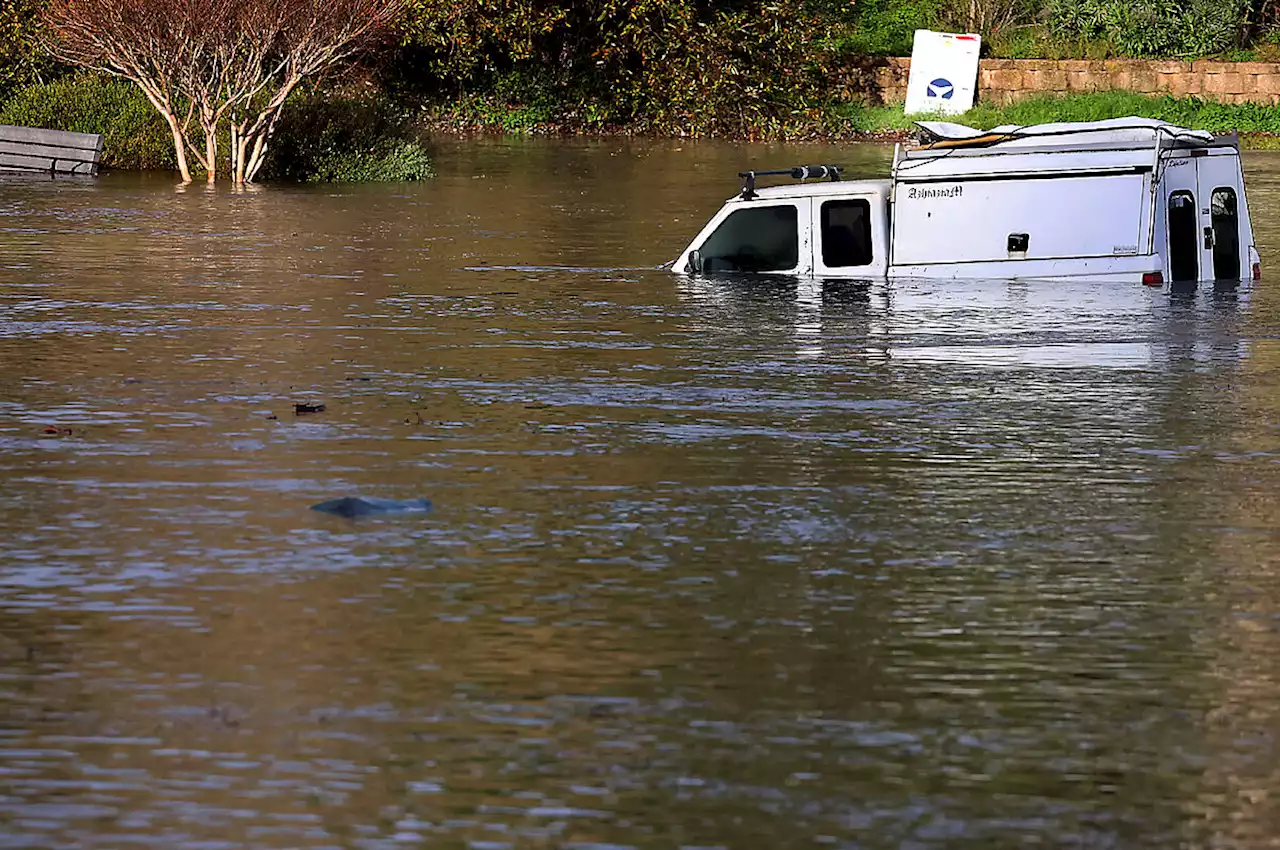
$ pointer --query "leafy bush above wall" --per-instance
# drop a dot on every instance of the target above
(887, 27)
(1151, 28)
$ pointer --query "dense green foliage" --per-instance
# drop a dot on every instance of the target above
(22, 62)
(747, 67)
(887, 27)
(1153, 27)
(669, 66)
(1059, 29)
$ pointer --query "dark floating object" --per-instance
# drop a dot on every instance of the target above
(353, 507)
(302, 408)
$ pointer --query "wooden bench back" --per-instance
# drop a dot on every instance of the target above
(53, 152)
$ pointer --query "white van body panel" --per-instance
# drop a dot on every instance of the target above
(909, 166)
(1063, 217)
(1117, 269)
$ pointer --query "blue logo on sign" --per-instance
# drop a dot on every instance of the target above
(941, 88)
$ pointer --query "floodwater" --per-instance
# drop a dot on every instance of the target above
(714, 564)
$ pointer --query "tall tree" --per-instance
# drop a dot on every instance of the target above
(206, 65)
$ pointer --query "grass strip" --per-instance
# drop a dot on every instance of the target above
(1255, 120)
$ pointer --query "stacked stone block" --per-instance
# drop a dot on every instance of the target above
(1003, 81)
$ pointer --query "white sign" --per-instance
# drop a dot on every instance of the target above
(944, 73)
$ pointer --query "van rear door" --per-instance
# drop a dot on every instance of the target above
(1224, 237)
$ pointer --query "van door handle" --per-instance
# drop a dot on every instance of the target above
(1208, 238)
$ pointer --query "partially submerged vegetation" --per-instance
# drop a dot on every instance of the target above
(353, 136)
(359, 135)
(219, 74)
(1257, 122)
(777, 69)
(339, 136)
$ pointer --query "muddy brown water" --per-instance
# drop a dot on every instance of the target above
(715, 564)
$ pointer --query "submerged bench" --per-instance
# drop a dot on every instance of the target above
(52, 152)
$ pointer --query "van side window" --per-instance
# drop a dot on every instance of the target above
(755, 239)
(846, 234)
(1184, 237)
(1226, 234)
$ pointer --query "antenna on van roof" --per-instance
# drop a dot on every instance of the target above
(800, 172)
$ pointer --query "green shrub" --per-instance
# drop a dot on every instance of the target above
(343, 138)
(386, 161)
(1149, 28)
(134, 135)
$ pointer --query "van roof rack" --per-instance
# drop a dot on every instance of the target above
(800, 172)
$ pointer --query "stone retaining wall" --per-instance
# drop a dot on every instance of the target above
(1002, 81)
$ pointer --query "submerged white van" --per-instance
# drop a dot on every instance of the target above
(1130, 199)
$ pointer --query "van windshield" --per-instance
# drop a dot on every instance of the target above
(756, 239)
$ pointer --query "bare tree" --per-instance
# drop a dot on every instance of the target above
(206, 64)
(140, 40)
(987, 17)
(310, 37)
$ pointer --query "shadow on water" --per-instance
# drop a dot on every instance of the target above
(713, 561)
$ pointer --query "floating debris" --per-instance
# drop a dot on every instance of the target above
(353, 507)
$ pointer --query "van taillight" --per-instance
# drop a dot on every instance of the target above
(1153, 279)
(1257, 271)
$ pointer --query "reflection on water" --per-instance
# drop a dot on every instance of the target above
(714, 563)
